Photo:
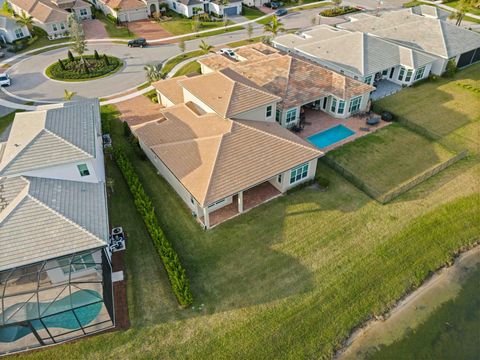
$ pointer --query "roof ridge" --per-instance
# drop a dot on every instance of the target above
(67, 142)
(213, 168)
(63, 217)
(289, 71)
(362, 58)
(2, 168)
(187, 141)
(444, 42)
(278, 137)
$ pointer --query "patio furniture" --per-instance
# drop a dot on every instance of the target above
(374, 120)
(366, 129)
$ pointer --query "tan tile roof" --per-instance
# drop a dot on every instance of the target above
(124, 4)
(43, 10)
(220, 157)
(228, 95)
(171, 89)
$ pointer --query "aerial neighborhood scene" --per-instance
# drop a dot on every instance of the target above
(240, 179)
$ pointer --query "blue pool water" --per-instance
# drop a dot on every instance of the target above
(50, 316)
(330, 136)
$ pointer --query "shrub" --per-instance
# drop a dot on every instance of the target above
(451, 69)
(70, 56)
(95, 54)
(387, 116)
(78, 70)
(105, 58)
(126, 130)
(62, 65)
(323, 182)
(175, 271)
(336, 11)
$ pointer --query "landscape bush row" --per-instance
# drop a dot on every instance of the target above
(337, 11)
(175, 271)
(87, 67)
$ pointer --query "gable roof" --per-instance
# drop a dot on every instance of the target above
(220, 156)
(47, 11)
(363, 54)
(46, 138)
(431, 35)
(171, 89)
(227, 93)
(124, 4)
(8, 24)
(41, 219)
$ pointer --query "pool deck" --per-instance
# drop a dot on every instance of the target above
(318, 121)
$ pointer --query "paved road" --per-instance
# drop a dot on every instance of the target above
(29, 81)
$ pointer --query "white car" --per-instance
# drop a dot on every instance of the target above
(5, 80)
(228, 52)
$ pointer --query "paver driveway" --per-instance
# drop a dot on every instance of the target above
(94, 29)
(148, 30)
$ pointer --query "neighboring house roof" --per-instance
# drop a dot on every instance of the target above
(363, 54)
(171, 89)
(46, 138)
(46, 11)
(429, 11)
(124, 4)
(221, 157)
(298, 81)
(434, 36)
(9, 24)
(315, 34)
(190, 2)
(228, 95)
(41, 219)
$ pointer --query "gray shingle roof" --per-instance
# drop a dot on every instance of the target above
(41, 219)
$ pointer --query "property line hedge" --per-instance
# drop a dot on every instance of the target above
(175, 271)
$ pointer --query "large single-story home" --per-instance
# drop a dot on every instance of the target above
(362, 56)
(128, 10)
(55, 271)
(52, 15)
(295, 80)
(422, 31)
(11, 31)
(190, 8)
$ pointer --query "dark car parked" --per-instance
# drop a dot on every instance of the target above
(281, 12)
(140, 42)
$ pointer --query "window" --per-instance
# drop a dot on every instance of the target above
(401, 74)
(269, 111)
(83, 170)
(419, 73)
(83, 12)
(409, 75)
(299, 173)
(277, 116)
(79, 263)
(18, 33)
(355, 104)
(368, 80)
(54, 27)
(341, 106)
(174, 5)
(195, 11)
(333, 106)
(192, 201)
(279, 178)
(385, 72)
(62, 26)
(291, 116)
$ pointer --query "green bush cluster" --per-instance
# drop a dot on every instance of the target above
(74, 70)
(175, 271)
(469, 87)
(336, 11)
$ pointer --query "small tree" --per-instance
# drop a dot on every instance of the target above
(6, 7)
(77, 36)
(337, 2)
(225, 21)
(195, 23)
(105, 58)
(250, 31)
(181, 46)
(62, 65)
(95, 54)
(25, 20)
(206, 48)
(153, 72)
(70, 56)
(450, 69)
(68, 95)
(274, 27)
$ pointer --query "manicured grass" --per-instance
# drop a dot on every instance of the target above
(114, 31)
(236, 44)
(180, 25)
(40, 40)
(191, 67)
(312, 6)
(251, 13)
(412, 3)
(6, 120)
(457, 5)
(289, 279)
(441, 106)
(221, 30)
(389, 156)
(169, 65)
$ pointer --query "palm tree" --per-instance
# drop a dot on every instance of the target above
(462, 9)
(25, 20)
(153, 72)
(69, 95)
(206, 48)
(274, 27)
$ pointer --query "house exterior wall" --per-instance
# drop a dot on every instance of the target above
(87, 13)
(282, 181)
(10, 36)
(439, 66)
(163, 100)
(259, 114)
(218, 9)
(188, 96)
(205, 69)
(70, 172)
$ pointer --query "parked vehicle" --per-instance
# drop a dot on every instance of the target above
(281, 12)
(273, 4)
(228, 52)
(140, 42)
(5, 80)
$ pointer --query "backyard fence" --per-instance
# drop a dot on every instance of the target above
(399, 190)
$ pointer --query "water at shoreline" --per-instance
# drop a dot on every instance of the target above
(440, 317)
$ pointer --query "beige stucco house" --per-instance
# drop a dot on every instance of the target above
(128, 10)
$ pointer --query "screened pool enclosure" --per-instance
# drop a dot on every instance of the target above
(55, 300)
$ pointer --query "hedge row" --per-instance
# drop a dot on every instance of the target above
(337, 11)
(74, 71)
(175, 271)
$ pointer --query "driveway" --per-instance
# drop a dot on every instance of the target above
(94, 29)
(148, 30)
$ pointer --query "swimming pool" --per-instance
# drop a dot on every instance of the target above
(330, 136)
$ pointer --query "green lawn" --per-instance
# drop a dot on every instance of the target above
(251, 13)
(169, 65)
(181, 25)
(456, 5)
(191, 67)
(6, 120)
(390, 156)
(239, 43)
(114, 31)
(312, 6)
(42, 40)
(289, 279)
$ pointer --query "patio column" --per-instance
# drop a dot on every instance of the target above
(206, 217)
(240, 202)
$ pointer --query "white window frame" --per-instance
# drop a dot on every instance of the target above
(19, 33)
(299, 173)
(269, 111)
(83, 12)
(409, 75)
(401, 74)
(341, 107)
(355, 102)
(333, 105)
(291, 116)
(419, 73)
(86, 168)
(54, 27)
(368, 79)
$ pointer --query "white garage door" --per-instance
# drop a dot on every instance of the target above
(134, 15)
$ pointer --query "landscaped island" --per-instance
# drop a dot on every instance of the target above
(86, 67)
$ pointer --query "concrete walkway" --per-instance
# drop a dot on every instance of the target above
(449, 8)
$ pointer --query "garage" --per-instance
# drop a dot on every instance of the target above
(230, 11)
(469, 57)
(134, 15)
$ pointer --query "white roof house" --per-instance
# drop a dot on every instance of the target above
(10, 30)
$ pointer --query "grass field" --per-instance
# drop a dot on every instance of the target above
(391, 150)
(191, 67)
(170, 64)
(456, 5)
(251, 13)
(289, 279)
(114, 31)
(180, 25)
